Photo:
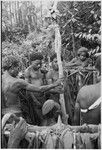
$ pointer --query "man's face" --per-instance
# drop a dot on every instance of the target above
(36, 64)
(14, 71)
(55, 64)
(82, 56)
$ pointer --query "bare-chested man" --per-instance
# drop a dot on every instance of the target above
(52, 76)
(11, 86)
(34, 75)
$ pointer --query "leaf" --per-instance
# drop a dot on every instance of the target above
(84, 35)
(80, 35)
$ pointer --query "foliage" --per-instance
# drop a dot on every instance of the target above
(24, 31)
(79, 24)
(21, 52)
(18, 19)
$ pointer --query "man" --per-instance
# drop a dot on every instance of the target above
(50, 111)
(11, 86)
(86, 110)
(82, 59)
(52, 76)
(80, 63)
(34, 75)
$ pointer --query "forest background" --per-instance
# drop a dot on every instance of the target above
(28, 26)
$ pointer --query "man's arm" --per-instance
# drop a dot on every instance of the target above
(57, 90)
(73, 63)
(27, 76)
(44, 88)
(22, 84)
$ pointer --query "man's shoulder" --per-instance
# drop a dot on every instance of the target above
(13, 84)
(19, 83)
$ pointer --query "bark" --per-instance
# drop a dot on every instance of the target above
(10, 14)
(58, 51)
(41, 14)
(15, 12)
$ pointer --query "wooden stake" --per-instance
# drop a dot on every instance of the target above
(58, 51)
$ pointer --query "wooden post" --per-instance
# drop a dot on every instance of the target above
(58, 51)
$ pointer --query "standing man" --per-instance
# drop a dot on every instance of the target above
(34, 75)
(52, 76)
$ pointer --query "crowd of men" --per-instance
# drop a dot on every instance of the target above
(36, 97)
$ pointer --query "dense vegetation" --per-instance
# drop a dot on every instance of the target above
(26, 27)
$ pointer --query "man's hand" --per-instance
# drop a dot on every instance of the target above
(60, 89)
(17, 134)
(60, 82)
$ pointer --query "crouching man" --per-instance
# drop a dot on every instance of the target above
(50, 111)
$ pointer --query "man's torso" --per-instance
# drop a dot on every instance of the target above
(35, 77)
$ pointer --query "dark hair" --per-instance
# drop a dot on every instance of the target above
(55, 56)
(83, 49)
(10, 61)
(36, 56)
(98, 63)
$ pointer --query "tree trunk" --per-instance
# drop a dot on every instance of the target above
(18, 12)
(41, 15)
(10, 14)
(73, 41)
(16, 20)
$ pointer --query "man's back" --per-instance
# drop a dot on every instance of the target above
(10, 89)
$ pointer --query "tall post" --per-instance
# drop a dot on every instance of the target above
(58, 51)
(41, 14)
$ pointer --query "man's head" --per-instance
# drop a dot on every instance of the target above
(51, 109)
(83, 53)
(53, 59)
(11, 64)
(36, 60)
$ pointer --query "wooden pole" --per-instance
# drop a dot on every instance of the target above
(82, 129)
(58, 127)
(58, 51)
